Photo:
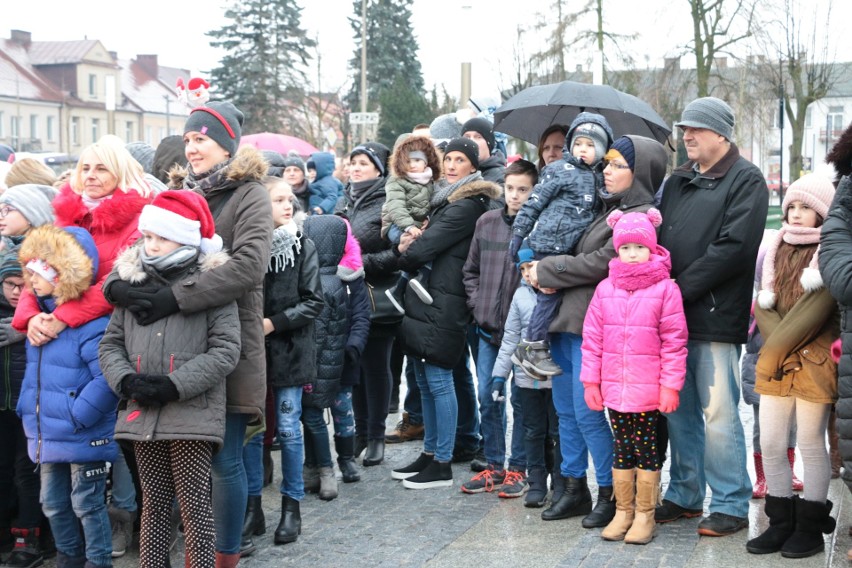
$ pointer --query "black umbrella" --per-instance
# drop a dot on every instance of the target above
(530, 112)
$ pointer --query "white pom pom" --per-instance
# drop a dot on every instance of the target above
(811, 279)
(214, 244)
(766, 299)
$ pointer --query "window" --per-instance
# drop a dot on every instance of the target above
(93, 86)
(834, 120)
(15, 130)
(75, 131)
(34, 126)
(808, 117)
(96, 126)
(128, 131)
(2, 125)
(51, 127)
(162, 133)
(149, 135)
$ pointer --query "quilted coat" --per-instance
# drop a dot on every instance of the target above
(634, 335)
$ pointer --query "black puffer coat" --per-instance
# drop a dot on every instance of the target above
(292, 300)
(14, 361)
(835, 264)
(331, 330)
(437, 333)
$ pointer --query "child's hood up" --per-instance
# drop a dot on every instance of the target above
(323, 163)
(71, 251)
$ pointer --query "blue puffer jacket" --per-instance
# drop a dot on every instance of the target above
(564, 202)
(325, 189)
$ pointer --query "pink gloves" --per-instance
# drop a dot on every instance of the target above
(594, 400)
(669, 400)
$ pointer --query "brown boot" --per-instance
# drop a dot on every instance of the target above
(834, 445)
(624, 485)
(647, 494)
(405, 431)
(227, 560)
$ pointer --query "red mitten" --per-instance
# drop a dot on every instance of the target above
(593, 397)
(669, 400)
(836, 350)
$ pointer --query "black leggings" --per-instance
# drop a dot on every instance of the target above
(635, 439)
(371, 397)
(170, 468)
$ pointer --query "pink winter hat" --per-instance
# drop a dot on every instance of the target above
(639, 228)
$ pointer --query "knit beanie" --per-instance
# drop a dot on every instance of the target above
(32, 200)
(418, 155)
(220, 121)
(596, 134)
(9, 265)
(467, 147)
(294, 160)
(184, 217)
(170, 152)
(142, 153)
(484, 127)
(638, 228)
(377, 153)
(525, 255)
(710, 113)
(445, 127)
(814, 190)
(624, 147)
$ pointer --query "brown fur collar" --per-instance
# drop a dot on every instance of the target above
(128, 265)
(64, 254)
(474, 188)
(247, 165)
(399, 159)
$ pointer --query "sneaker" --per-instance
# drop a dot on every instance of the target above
(395, 295)
(484, 481)
(421, 292)
(26, 552)
(539, 361)
(669, 511)
(121, 521)
(720, 524)
(413, 468)
(436, 474)
(519, 355)
(514, 485)
(405, 431)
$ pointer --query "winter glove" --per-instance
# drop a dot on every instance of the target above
(515, 246)
(498, 389)
(669, 400)
(149, 306)
(351, 357)
(117, 293)
(594, 400)
(8, 334)
(150, 390)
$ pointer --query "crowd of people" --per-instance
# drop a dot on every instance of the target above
(171, 317)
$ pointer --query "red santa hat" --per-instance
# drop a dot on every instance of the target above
(184, 217)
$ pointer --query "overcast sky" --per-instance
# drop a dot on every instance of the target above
(448, 32)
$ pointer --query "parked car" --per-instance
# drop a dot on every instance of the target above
(57, 161)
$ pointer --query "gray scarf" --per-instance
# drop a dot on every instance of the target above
(167, 265)
(444, 189)
(285, 246)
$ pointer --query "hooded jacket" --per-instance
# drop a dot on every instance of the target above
(712, 225)
(196, 350)
(66, 405)
(245, 225)
(437, 332)
(493, 168)
(634, 335)
(325, 189)
(564, 201)
(579, 273)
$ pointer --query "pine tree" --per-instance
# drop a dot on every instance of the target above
(267, 53)
(391, 50)
(402, 108)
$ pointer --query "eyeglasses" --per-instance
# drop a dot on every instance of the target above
(5, 210)
(615, 165)
(12, 287)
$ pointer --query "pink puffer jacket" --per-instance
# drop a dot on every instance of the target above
(634, 335)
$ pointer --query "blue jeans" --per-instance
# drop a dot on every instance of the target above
(467, 430)
(123, 491)
(412, 404)
(538, 405)
(316, 437)
(341, 413)
(706, 435)
(494, 413)
(582, 431)
(288, 411)
(518, 459)
(230, 488)
(72, 495)
(253, 462)
(440, 409)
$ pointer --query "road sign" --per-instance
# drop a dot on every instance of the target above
(363, 118)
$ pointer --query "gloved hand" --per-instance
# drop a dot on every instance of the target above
(669, 400)
(515, 246)
(149, 390)
(351, 357)
(498, 389)
(592, 395)
(117, 293)
(149, 305)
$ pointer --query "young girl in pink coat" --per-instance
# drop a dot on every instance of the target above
(634, 363)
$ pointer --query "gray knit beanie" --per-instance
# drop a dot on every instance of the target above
(220, 121)
(710, 113)
(445, 127)
(142, 153)
(32, 200)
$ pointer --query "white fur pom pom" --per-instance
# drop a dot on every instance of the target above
(811, 279)
(766, 299)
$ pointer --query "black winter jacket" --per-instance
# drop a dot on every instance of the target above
(436, 333)
(292, 300)
(712, 225)
(14, 363)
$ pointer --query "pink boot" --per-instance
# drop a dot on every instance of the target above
(791, 457)
(759, 490)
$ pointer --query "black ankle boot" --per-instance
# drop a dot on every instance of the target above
(345, 460)
(290, 526)
(603, 512)
(26, 551)
(253, 525)
(813, 519)
(360, 445)
(575, 501)
(782, 522)
(375, 452)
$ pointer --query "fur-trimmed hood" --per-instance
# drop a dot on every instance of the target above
(128, 265)
(475, 188)
(399, 159)
(248, 165)
(70, 251)
(111, 216)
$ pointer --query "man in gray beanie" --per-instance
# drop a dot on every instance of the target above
(714, 210)
(32, 201)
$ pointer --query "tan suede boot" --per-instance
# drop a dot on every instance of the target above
(647, 494)
(624, 485)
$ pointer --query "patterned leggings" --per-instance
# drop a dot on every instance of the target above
(170, 468)
(635, 439)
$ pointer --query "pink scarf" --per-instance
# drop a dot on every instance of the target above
(811, 278)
